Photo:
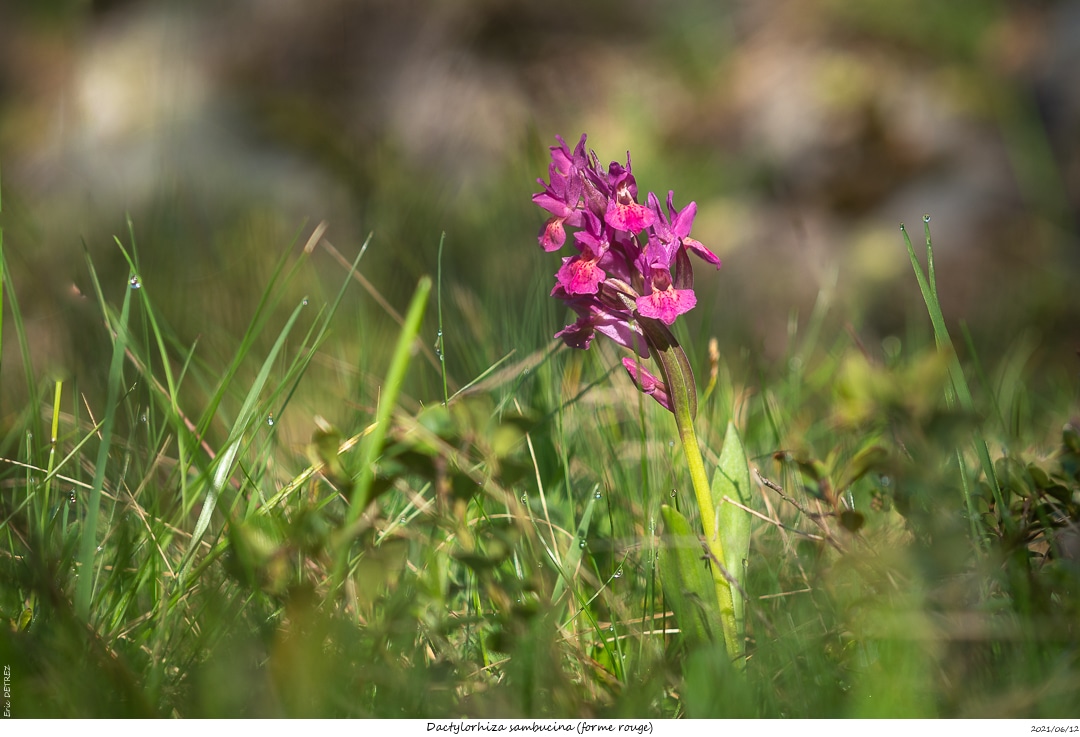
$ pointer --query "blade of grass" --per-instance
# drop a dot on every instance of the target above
(33, 398)
(47, 482)
(576, 550)
(88, 545)
(178, 420)
(315, 343)
(395, 377)
(440, 343)
(961, 392)
(315, 336)
(226, 459)
(267, 301)
(381, 301)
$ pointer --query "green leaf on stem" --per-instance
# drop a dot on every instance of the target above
(688, 585)
(731, 481)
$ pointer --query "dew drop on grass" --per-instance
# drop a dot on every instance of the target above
(270, 420)
(926, 218)
(671, 443)
(581, 544)
(402, 520)
(304, 302)
(902, 228)
(524, 498)
(618, 572)
(134, 282)
(71, 497)
(674, 493)
(611, 628)
(886, 482)
(142, 417)
(598, 495)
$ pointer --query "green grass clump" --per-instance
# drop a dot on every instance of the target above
(197, 540)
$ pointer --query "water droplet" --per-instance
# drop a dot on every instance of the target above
(134, 281)
(270, 419)
(795, 363)
(902, 228)
(524, 498)
(671, 443)
(581, 544)
(71, 496)
(402, 520)
(525, 371)
(100, 548)
(598, 495)
(611, 628)
(926, 218)
(885, 480)
(304, 302)
(674, 493)
(142, 417)
(618, 572)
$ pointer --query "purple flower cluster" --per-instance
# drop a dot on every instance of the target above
(632, 260)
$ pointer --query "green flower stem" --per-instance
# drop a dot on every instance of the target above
(700, 481)
(679, 379)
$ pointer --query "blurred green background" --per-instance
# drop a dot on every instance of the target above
(806, 130)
